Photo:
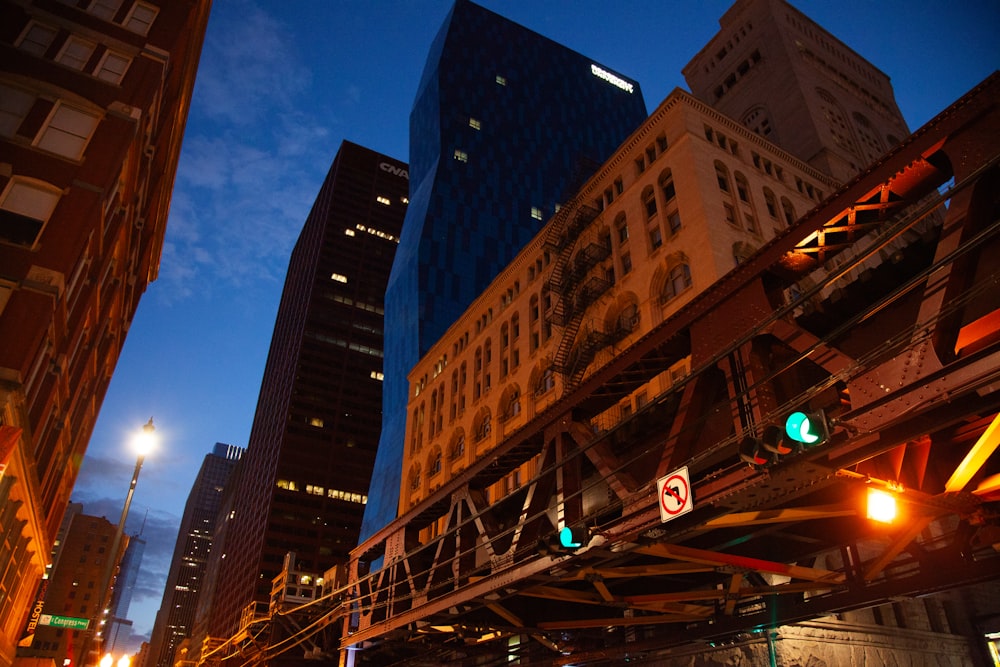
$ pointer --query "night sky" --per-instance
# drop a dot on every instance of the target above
(280, 85)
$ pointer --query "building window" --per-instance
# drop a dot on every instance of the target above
(730, 214)
(667, 186)
(622, 231)
(546, 382)
(75, 53)
(461, 156)
(141, 18)
(649, 201)
(722, 177)
(679, 280)
(14, 106)
(626, 264)
(655, 237)
(475, 124)
(67, 132)
(771, 203)
(501, 80)
(536, 213)
(105, 9)
(37, 39)
(338, 277)
(25, 206)
(112, 67)
(674, 221)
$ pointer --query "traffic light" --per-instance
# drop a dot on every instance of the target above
(566, 540)
(750, 451)
(572, 538)
(807, 428)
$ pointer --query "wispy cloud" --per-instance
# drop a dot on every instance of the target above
(245, 181)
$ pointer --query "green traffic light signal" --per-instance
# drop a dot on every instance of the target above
(809, 428)
(573, 537)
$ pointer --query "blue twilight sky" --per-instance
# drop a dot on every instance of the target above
(281, 84)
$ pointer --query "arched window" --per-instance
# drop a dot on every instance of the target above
(757, 120)
(722, 177)
(415, 478)
(434, 462)
(483, 425)
(457, 449)
(678, 280)
(546, 381)
(771, 202)
(667, 186)
(789, 211)
(649, 202)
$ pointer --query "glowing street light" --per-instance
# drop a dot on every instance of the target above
(881, 505)
(142, 443)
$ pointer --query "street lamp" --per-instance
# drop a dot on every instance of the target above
(142, 443)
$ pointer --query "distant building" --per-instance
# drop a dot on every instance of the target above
(183, 587)
(303, 482)
(74, 591)
(506, 125)
(120, 628)
(775, 71)
(93, 102)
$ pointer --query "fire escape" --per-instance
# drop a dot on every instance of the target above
(574, 286)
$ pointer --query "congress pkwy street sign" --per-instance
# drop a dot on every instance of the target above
(64, 622)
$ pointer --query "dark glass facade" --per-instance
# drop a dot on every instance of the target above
(505, 125)
(302, 483)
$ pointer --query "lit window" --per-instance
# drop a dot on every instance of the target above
(377, 375)
(141, 18)
(383, 200)
(405, 200)
(461, 156)
(75, 53)
(37, 39)
(25, 207)
(316, 421)
(501, 80)
(112, 67)
(339, 277)
(349, 232)
(536, 213)
(475, 124)
(68, 131)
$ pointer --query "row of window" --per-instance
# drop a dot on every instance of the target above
(139, 18)
(734, 38)
(314, 490)
(75, 52)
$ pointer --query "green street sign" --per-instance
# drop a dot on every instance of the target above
(64, 622)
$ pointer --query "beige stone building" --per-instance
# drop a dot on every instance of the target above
(686, 198)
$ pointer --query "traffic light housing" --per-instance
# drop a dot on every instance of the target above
(565, 540)
(808, 429)
(572, 538)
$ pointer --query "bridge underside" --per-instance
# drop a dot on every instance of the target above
(897, 342)
(879, 308)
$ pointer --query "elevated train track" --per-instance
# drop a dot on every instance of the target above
(900, 348)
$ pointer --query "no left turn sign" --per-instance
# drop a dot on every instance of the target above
(674, 493)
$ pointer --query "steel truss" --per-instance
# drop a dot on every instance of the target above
(892, 329)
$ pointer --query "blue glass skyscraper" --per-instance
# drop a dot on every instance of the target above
(505, 125)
